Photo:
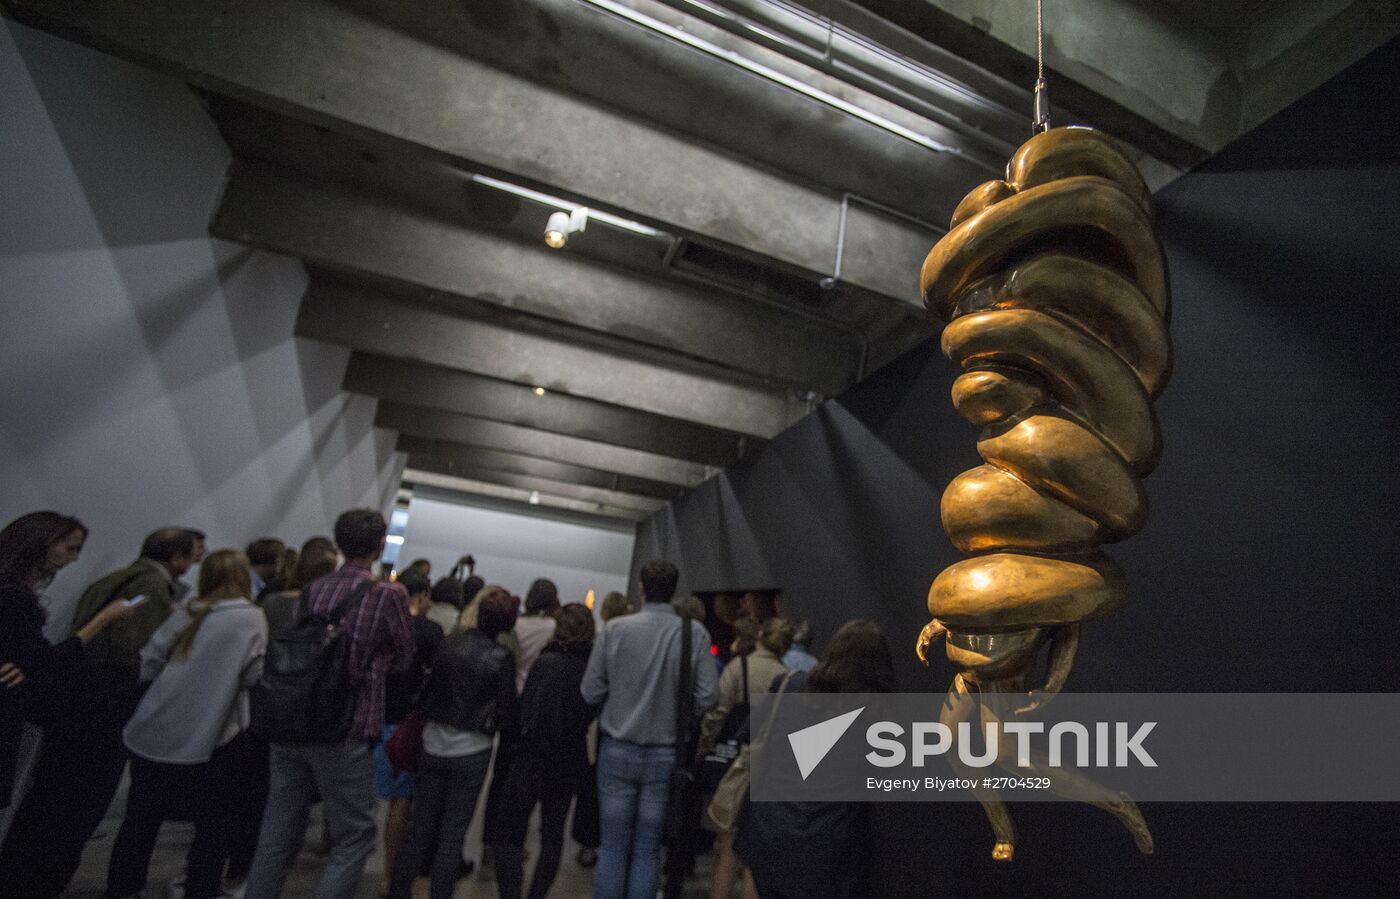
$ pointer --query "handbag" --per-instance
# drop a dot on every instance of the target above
(728, 743)
(733, 790)
(404, 747)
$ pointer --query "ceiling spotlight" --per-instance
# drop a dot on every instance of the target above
(539, 391)
(556, 233)
(561, 224)
(534, 497)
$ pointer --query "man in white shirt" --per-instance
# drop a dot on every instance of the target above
(634, 673)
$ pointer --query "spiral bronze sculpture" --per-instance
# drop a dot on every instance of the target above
(1055, 292)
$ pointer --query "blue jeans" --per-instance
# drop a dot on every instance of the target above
(632, 782)
(344, 775)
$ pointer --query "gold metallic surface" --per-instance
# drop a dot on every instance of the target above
(1089, 216)
(1063, 459)
(1096, 298)
(993, 656)
(1087, 378)
(986, 508)
(1013, 590)
(989, 395)
(980, 198)
(1068, 152)
(1055, 292)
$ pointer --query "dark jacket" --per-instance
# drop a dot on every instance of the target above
(401, 687)
(810, 848)
(554, 718)
(280, 609)
(472, 686)
(44, 665)
(117, 650)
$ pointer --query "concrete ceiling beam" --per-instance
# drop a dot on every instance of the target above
(436, 424)
(532, 466)
(1179, 79)
(336, 67)
(451, 390)
(375, 321)
(351, 230)
(601, 498)
(597, 47)
(1110, 63)
(420, 479)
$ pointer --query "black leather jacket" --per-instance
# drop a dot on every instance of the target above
(472, 686)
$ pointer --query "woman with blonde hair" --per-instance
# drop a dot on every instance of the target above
(614, 605)
(185, 738)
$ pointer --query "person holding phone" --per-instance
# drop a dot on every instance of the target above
(82, 759)
(33, 549)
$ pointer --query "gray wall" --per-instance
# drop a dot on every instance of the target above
(512, 546)
(149, 372)
(1270, 562)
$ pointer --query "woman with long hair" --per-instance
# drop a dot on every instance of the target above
(318, 558)
(551, 757)
(470, 697)
(796, 849)
(494, 593)
(186, 736)
(614, 605)
(33, 671)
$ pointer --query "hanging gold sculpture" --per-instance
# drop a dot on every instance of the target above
(1055, 292)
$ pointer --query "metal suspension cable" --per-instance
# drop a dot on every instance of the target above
(1042, 98)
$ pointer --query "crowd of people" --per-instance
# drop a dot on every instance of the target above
(627, 716)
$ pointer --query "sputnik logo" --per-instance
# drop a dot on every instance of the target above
(811, 744)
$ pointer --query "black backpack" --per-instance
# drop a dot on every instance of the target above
(307, 693)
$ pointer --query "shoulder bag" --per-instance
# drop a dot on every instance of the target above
(733, 790)
(730, 740)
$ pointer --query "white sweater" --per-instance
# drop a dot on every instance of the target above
(197, 704)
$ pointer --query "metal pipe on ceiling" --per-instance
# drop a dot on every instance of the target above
(866, 63)
(632, 15)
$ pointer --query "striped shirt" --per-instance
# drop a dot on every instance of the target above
(381, 635)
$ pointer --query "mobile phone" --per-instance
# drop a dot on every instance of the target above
(136, 600)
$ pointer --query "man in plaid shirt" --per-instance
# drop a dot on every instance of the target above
(343, 773)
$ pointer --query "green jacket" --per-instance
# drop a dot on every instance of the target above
(120, 644)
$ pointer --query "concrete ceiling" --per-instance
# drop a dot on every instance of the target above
(764, 180)
(1178, 78)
